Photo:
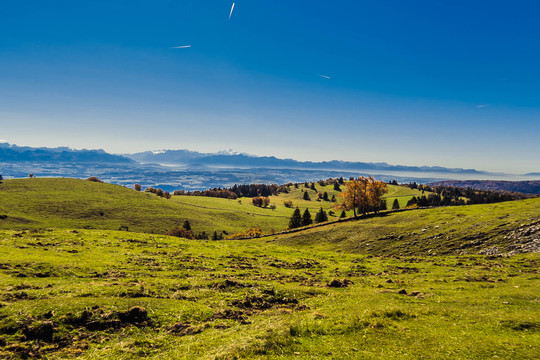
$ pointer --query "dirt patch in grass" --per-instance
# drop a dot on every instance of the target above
(183, 329)
(267, 300)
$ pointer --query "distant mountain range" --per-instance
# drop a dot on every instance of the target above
(191, 170)
(13, 154)
(195, 159)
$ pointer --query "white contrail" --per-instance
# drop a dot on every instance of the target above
(324, 76)
(232, 8)
(181, 47)
(482, 106)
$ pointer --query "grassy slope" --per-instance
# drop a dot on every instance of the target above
(467, 307)
(450, 230)
(71, 203)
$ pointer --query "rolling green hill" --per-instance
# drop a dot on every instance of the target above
(496, 228)
(72, 203)
(319, 293)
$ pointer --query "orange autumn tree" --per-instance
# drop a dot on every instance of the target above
(362, 193)
(376, 190)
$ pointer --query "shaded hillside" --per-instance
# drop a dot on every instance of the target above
(508, 227)
(526, 187)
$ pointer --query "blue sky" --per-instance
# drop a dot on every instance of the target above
(451, 83)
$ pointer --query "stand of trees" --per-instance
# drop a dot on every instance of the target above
(453, 196)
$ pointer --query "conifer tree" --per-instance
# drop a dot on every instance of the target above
(296, 219)
(321, 216)
(187, 225)
(395, 205)
(343, 215)
(306, 196)
(306, 218)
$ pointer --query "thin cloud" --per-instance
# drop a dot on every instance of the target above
(232, 8)
(181, 47)
(482, 106)
(325, 76)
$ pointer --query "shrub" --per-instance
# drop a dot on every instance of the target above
(91, 178)
(180, 232)
(261, 201)
(288, 203)
(137, 187)
(251, 233)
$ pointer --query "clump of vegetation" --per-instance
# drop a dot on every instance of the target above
(288, 203)
(261, 201)
(181, 232)
(91, 178)
(250, 233)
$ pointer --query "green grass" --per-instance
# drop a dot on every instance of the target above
(66, 291)
(72, 203)
(258, 300)
(449, 230)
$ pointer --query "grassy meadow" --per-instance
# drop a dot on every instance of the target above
(72, 203)
(404, 285)
(96, 294)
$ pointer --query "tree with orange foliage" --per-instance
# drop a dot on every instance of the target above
(361, 193)
(376, 190)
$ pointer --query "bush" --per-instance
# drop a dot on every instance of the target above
(288, 204)
(261, 201)
(137, 187)
(91, 178)
(180, 232)
(251, 233)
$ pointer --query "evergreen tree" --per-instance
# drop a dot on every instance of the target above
(187, 225)
(395, 205)
(312, 187)
(383, 205)
(333, 198)
(321, 216)
(306, 196)
(306, 218)
(296, 219)
(343, 215)
(336, 186)
(325, 196)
